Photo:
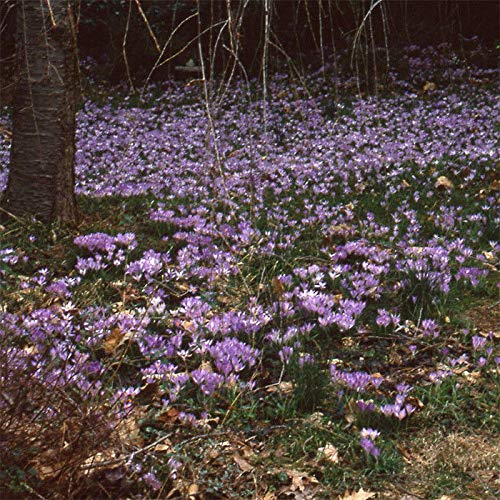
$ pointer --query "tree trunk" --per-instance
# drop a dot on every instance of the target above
(41, 177)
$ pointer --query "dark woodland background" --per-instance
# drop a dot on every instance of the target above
(302, 27)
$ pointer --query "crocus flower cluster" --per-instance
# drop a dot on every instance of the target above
(359, 381)
(367, 441)
(333, 226)
(399, 409)
(106, 250)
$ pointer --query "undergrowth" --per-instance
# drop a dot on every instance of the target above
(316, 318)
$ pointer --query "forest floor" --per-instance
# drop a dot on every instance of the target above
(301, 307)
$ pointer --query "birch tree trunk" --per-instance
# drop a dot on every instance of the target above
(41, 176)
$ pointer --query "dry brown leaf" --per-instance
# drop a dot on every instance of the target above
(213, 454)
(337, 298)
(283, 387)
(193, 490)
(189, 326)
(47, 472)
(489, 256)
(206, 366)
(166, 446)
(174, 492)
(105, 458)
(183, 287)
(113, 340)
(300, 480)
(225, 300)
(443, 183)
(316, 418)
(339, 229)
(358, 495)
(30, 350)
(461, 369)
(129, 431)
(405, 453)
(242, 463)
(168, 417)
(149, 392)
(6, 133)
(330, 453)
(248, 451)
(269, 496)
(428, 86)
(277, 287)
(471, 377)
(351, 411)
(415, 401)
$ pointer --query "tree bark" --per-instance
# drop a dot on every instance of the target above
(41, 176)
